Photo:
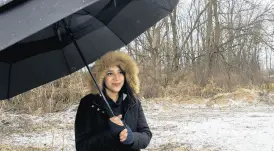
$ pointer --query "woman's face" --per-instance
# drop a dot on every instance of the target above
(114, 79)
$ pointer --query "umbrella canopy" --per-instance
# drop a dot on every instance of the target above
(43, 40)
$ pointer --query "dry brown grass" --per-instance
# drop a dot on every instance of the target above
(183, 87)
(183, 84)
(51, 97)
(250, 96)
(188, 92)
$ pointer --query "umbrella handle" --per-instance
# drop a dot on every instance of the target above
(86, 64)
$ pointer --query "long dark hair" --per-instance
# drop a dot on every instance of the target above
(128, 90)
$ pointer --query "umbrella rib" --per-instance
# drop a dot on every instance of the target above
(106, 26)
(117, 36)
(66, 61)
(55, 29)
(114, 2)
(161, 6)
(9, 79)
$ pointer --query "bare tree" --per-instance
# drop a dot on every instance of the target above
(219, 40)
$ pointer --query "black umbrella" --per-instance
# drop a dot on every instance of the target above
(43, 40)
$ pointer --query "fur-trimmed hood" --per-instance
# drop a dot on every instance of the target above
(115, 58)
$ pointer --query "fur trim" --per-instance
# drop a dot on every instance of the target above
(115, 58)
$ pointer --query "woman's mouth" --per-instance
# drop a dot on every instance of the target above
(116, 84)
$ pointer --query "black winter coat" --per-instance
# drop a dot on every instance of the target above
(92, 130)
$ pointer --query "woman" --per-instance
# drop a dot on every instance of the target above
(117, 76)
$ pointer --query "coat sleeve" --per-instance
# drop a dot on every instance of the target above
(86, 138)
(143, 135)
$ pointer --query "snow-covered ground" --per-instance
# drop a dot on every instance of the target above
(226, 129)
(174, 126)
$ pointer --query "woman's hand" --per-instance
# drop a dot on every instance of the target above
(126, 136)
(123, 135)
(116, 126)
(117, 120)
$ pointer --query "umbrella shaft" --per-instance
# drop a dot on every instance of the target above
(8, 92)
(86, 64)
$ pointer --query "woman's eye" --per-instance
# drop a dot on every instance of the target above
(109, 73)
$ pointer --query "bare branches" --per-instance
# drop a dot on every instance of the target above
(210, 38)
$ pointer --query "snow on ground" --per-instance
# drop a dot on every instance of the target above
(226, 129)
(196, 127)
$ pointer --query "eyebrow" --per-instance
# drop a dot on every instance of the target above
(113, 70)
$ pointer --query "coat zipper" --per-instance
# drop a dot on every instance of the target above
(127, 111)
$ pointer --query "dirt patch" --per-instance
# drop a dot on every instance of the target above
(178, 147)
(21, 148)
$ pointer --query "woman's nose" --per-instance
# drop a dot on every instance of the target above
(116, 76)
